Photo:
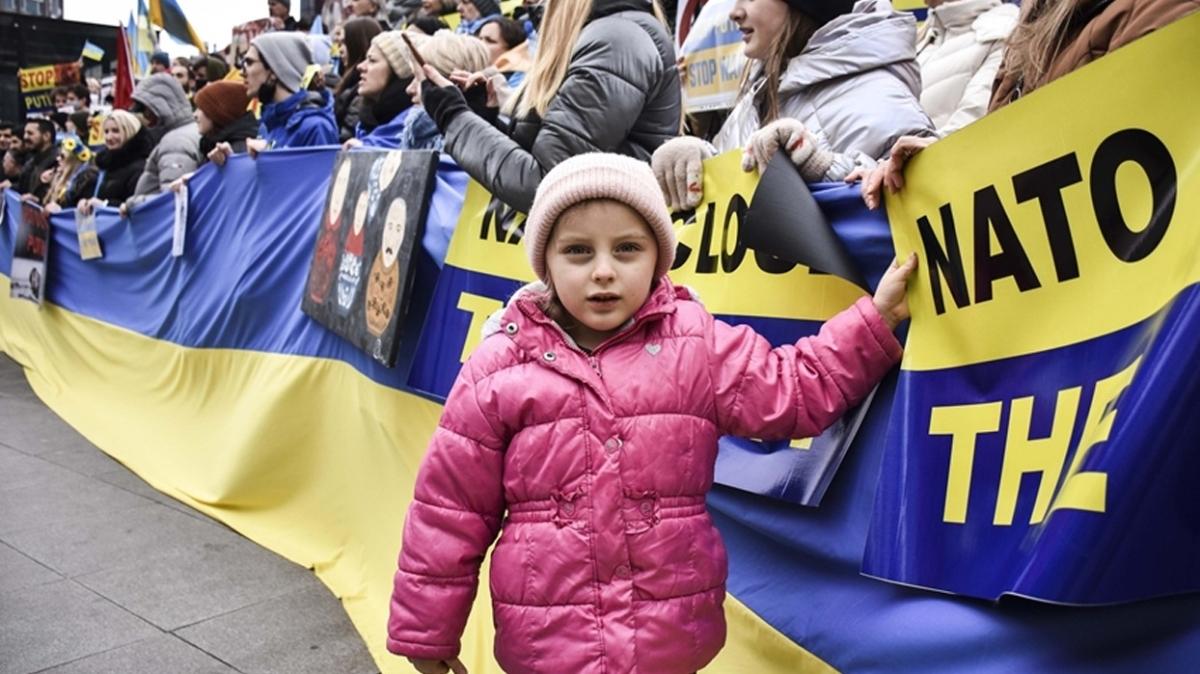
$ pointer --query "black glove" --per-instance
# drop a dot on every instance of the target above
(442, 103)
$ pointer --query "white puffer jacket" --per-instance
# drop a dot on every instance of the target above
(959, 51)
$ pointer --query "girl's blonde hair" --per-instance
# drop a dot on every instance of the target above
(127, 124)
(787, 45)
(560, 29)
(1037, 40)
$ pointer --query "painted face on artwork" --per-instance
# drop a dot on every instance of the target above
(393, 231)
(337, 199)
(391, 166)
(600, 260)
(360, 212)
(760, 21)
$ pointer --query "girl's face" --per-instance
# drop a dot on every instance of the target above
(203, 123)
(467, 10)
(112, 135)
(490, 34)
(254, 71)
(761, 21)
(373, 73)
(600, 261)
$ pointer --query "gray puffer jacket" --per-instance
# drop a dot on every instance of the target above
(178, 152)
(620, 94)
(856, 86)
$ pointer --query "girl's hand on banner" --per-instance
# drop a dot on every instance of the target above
(255, 145)
(890, 298)
(220, 153)
(351, 144)
(53, 207)
(438, 666)
(178, 183)
(87, 206)
(678, 165)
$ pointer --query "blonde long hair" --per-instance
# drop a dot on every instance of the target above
(560, 29)
(1038, 38)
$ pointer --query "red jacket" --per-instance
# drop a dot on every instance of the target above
(596, 466)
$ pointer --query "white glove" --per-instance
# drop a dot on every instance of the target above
(798, 142)
(677, 165)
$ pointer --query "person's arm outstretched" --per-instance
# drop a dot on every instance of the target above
(457, 506)
(797, 391)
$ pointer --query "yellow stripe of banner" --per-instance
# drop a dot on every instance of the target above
(1031, 281)
(303, 455)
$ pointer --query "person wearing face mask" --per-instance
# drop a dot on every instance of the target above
(121, 162)
(833, 85)
(163, 105)
(297, 107)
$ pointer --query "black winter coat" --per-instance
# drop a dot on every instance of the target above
(122, 167)
(235, 133)
(620, 94)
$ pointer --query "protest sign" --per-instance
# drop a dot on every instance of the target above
(38, 83)
(362, 268)
(30, 251)
(713, 58)
(1042, 444)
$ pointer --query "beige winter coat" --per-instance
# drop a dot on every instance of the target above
(959, 50)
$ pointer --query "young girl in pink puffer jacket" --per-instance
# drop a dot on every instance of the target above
(585, 430)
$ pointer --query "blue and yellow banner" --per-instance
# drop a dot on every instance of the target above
(1043, 443)
(249, 411)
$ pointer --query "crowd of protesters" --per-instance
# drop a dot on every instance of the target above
(848, 89)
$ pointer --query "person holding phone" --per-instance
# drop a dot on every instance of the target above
(603, 80)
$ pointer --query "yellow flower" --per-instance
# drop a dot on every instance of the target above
(86, 155)
(69, 144)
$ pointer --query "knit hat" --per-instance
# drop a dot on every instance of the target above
(486, 7)
(223, 101)
(448, 51)
(161, 58)
(391, 45)
(597, 175)
(285, 54)
(822, 11)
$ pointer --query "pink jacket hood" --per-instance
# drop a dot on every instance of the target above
(593, 469)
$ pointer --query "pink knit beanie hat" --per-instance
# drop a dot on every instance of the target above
(597, 175)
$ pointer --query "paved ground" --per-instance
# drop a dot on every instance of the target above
(101, 573)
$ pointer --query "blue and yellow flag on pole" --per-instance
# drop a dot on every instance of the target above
(92, 51)
(169, 16)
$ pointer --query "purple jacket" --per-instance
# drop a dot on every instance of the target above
(595, 467)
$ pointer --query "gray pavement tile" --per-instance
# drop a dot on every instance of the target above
(71, 498)
(19, 571)
(18, 469)
(31, 427)
(90, 461)
(129, 481)
(305, 631)
(183, 587)
(156, 655)
(111, 539)
(51, 624)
